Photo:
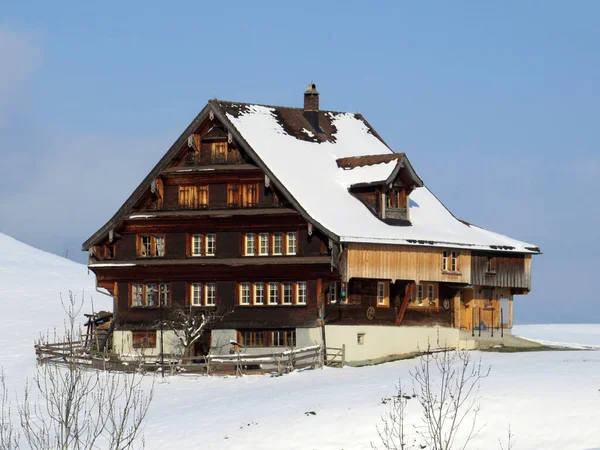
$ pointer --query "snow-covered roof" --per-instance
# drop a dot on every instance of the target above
(307, 167)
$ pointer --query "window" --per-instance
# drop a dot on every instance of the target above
(454, 262)
(137, 295)
(196, 294)
(210, 293)
(273, 293)
(431, 294)
(396, 198)
(242, 195)
(381, 297)
(277, 243)
(151, 246)
(333, 292)
(211, 245)
(360, 338)
(267, 338)
(202, 294)
(143, 339)
(491, 265)
(444, 260)
(193, 197)
(164, 294)
(203, 244)
(263, 248)
(244, 293)
(291, 243)
(149, 295)
(259, 293)
(219, 152)
(197, 244)
(419, 294)
(282, 338)
(301, 293)
(287, 293)
(249, 244)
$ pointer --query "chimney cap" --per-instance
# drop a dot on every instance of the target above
(311, 89)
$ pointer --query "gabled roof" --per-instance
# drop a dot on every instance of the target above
(304, 165)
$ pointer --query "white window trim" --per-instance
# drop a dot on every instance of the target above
(206, 297)
(213, 237)
(269, 298)
(246, 239)
(263, 237)
(200, 292)
(281, 250)
(287, 243)
(254, 287)
(283, 291)
(298, 297)
(245, 302)
(445, 260)
(201, 245)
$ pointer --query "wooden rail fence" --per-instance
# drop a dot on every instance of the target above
(278, 362)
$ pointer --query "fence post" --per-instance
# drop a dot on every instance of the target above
(492, 323)
(322, 355)
(473, 321)
(501, 322)
(479, 320)
(343, 354)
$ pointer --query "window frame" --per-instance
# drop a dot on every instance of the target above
(258, 300)
(210, 288)
(278, 235)
(381, 293)
(210, 244)
(250, 244)
(200, 292)
(145, 293)
(152, 244)
(273, 287)
(301, 293)
(244, 293)
(263, 238)
(419, 296)
(287, 291)
(289, 235)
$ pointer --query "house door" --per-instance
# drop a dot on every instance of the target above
(202, 345)
(466, 313)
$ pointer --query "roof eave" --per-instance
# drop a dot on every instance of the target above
(137, 193)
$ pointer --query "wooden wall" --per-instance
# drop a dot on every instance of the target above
(397, 262)
(510, 270)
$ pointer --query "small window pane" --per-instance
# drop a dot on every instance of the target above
(302, 292)
(210, 245)
(287, 293)
(259, 293)
(273, 293)
(249, 244)
(210, 294)
(264, 244)
(197, 245)
(291, 243)
(277, 243)
(197, 294)
(244, 293)
(151, 294)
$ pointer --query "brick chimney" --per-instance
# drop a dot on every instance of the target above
(311, 106)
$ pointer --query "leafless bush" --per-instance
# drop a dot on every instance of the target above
(446, 386)
(391, 432)
(9, 436)
(79, 408)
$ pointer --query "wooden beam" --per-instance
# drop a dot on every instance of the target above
(404, 305)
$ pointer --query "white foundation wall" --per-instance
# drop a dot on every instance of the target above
(220, 341)
(383, 341)
(122, 344)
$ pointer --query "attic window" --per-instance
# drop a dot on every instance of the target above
(396, 198)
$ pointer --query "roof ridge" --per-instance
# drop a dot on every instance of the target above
(218, 100)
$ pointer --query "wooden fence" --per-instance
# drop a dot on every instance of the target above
(277, 362)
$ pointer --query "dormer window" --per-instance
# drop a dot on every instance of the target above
(397, 198)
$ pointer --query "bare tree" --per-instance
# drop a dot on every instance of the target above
(80, 408)
(391, 432)
(189, 325)
(447, 387)
(511, 441)
(9, 436)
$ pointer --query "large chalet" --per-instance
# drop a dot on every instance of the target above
(302, 226)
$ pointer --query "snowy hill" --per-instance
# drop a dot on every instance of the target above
(550, 399)
(31, 283)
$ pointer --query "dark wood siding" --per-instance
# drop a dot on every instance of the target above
(510, 270)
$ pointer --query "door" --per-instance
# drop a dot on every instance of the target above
(466, 313)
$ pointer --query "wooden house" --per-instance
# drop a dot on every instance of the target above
(305, 227)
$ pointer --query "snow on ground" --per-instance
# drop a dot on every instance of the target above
(31, 283)
(550, 399)
(578, 336)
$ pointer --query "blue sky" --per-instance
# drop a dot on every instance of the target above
(496, 105)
